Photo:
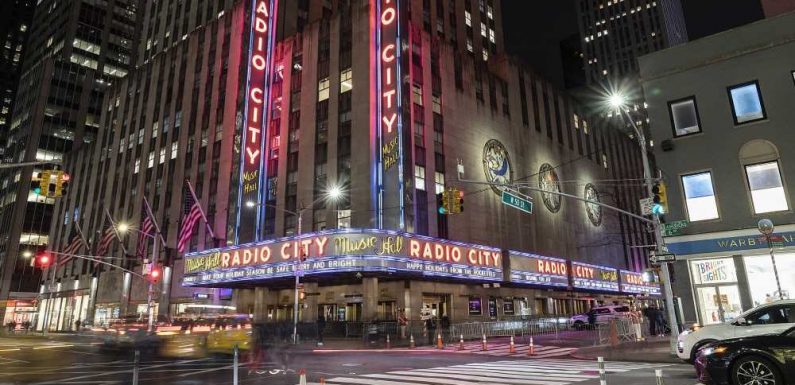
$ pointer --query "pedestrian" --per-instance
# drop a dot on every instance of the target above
(77, 325)
(592, 318)
(445, 324)
(430, 325)
(649, 313)
(403, 322)
(662, 325)
(321, 325)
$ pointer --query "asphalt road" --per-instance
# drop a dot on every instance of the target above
(37, 361)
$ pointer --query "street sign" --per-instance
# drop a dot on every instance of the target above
(674, 228)
(662, 258)
(517, 202)
(646, 206)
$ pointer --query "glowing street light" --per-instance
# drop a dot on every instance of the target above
(334, 193)
(123, 228)
(617, 100)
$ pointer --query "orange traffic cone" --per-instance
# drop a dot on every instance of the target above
(485, 347)
(322, 381)
(388, 344)
(302, 377)
(411, 342)
(461, 343)
(512, 347)
(531, 351)
(439, 343)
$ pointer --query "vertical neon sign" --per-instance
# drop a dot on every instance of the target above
(389, 119)
(257, 107)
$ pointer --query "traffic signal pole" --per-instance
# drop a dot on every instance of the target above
(151, 290)
(53, 267)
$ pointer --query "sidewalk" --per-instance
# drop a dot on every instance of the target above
(653, 350)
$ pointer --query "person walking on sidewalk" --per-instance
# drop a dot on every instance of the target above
(430, 325)
(321, 326)
(403, 322)
(649, 313)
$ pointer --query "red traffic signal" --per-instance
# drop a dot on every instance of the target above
(154, 275)
(43, 260)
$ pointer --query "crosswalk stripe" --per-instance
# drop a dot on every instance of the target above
(457, 379)
(536, 365)
(574, 373)
(512, 374)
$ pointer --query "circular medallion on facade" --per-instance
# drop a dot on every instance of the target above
(548, 180)
(594, 211)
(497, 165)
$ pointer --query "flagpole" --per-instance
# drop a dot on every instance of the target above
(154, 221)
(201, 210)
(113, 224)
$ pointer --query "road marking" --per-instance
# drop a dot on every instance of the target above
(51, 347)
(114, 372)
(207, 371)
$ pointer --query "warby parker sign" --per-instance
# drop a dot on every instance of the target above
(538, 270)
(632, 282)
(585, 276)
(255, 126)
(345, 250)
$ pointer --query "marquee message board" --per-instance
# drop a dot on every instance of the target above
(593, 277)
(341, 251)
(538, 270)
(633, 283)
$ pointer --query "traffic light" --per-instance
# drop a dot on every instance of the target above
(43, 260)
(457, 197)
(301, 292)
(154, 274)
(44, 182)
(442, 201)
(660, 199)
(61, 183)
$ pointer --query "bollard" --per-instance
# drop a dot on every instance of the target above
(613, 333)
(439, 342)
(512, 347)
(602, 373)
(136, 364)
(302, 377)
(388, 343)
(411, 342)
(531, 351)
(658, 374)
(235, 365)
(461, 343)
(322, 381)
(484, 346)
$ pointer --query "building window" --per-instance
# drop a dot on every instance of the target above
(746, 102)
(346, 81)
(417, 95)
(767, 190)
(344, 219)
(700, 197)
(684, 116)
(468, 18)
(437, 104)
(323, 90)
(438, 178)
(419, 177)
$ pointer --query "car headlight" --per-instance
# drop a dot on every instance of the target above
(686, 332)
(714, 350)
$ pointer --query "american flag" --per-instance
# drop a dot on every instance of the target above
(147, 225)
(106, 240)
(192, 212)
(73, 247)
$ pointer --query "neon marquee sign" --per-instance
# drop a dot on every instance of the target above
(255, 130)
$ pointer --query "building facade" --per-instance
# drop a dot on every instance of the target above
(730, 93)
(388, 112)
(777, 7)
(76, 49)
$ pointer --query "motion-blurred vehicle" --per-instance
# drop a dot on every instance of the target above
(772, 318)
(757, 360)
(603, 314)
(228, 332)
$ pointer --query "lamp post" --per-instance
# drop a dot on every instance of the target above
(333, 194)
(618, 102)
(766, 227)
(123, 228)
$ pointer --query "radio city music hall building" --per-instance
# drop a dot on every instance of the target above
(269, 104)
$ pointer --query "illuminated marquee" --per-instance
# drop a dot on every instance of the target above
(632, 282)
(345, 250)
(538, 270)
(585, 276)
(257, 103)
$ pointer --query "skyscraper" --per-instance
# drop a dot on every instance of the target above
(616, 32)
(15, 18)
(76, 50)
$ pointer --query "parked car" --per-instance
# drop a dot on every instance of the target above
(758, 360)
(603, 314)
(772, 318)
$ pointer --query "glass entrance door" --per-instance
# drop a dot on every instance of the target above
(718, 303)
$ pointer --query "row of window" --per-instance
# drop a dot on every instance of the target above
(764, 183)
(746, 103)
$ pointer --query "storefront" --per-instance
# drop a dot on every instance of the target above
(20, 312)
(362, 275)
(63, 310)
(728, 275)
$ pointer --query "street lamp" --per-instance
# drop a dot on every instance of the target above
(617, 101)
(766, 227)
(124, 228)
(27, 254)
(334, 194)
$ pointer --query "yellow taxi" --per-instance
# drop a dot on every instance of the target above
(228, 332)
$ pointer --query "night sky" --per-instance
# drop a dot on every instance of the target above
(534, 28)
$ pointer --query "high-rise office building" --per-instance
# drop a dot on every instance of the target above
(75, 51)
(267, 106)
(15, 19)
(615, 33)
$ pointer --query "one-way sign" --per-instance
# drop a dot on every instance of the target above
(662, 258)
